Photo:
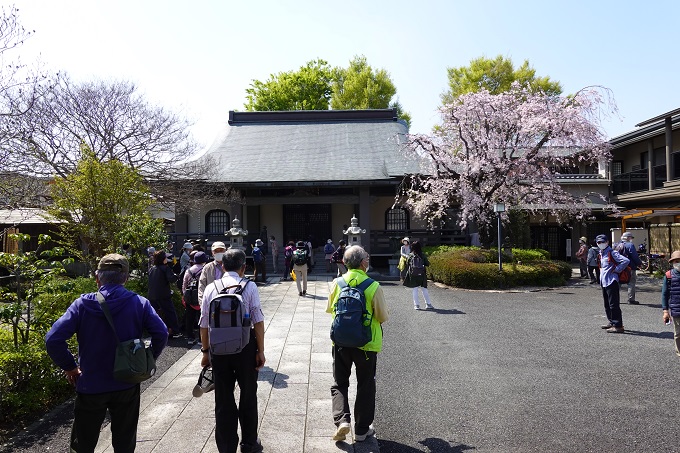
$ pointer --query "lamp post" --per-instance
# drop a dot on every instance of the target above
(499, 208)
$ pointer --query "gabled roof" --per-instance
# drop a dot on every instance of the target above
(311, 146)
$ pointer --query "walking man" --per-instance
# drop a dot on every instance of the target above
(611, 265)
(241, 367)
(364, 358)
(629, 251)
(92, 374)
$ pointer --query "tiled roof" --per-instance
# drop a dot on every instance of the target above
(324, 148)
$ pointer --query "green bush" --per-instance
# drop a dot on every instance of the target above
(529, 255)
(475, 268)
(31, 384)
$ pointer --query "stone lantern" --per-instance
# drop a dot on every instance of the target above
(235, 235)
(353, 232)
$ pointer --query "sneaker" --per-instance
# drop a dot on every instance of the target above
(191, 342)
(341, 432)
(606, 326)
(416, 307)
(362, 437)
(175, 335)
(429, 307)
(614, 329)
(634, 302)
(304, 293)
(300, 293)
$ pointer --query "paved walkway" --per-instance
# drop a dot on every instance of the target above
(294, 400)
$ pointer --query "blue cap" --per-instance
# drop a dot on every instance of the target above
(601, 238)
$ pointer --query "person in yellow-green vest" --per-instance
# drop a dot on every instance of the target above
(364, 358)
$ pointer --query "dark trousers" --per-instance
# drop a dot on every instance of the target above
(166, 310)
(612, 305)
(594, 273)
(89, 412)
(583, 267)
(227, 370)
(364, 406)
(260, 270)
(190, 320)
(289, 268)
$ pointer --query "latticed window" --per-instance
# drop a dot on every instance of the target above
(217, 221)
(397, 219)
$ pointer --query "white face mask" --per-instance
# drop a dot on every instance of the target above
(676, 266)
(602, 245)
(218, 256)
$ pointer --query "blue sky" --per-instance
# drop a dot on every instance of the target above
(199, 57)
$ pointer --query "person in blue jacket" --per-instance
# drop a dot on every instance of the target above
(92, 373)
(611, 265)
(670, 297)
(631, 253)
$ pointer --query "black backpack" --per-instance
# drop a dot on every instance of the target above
(351, 325)
(416, 265)
(191, 292)
(300, 257)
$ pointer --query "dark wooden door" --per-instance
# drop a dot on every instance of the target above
(305, 221)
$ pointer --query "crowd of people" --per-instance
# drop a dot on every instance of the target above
(356, 303)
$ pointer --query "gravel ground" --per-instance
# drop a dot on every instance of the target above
(52, 432)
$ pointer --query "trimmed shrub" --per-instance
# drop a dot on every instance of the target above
(474, 268)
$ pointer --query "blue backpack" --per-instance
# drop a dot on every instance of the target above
(352, 323)
(257, 255)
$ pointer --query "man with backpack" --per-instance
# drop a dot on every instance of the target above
(259, 259)
(300, 267)
(670, 297)
(611, 265)
(358, 306)
(234, 365)
(190, 300)
(627, 249)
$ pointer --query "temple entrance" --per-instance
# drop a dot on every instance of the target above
(305, 221)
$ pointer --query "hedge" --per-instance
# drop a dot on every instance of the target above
(476, 268)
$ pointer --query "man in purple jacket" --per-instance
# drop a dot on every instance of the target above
(92, 374)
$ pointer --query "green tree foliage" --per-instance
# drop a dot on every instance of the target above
(316, 86)
(96, 203)
(359, 86)
(140, 232)
(496, 76)
(308, 88)
(21, 306)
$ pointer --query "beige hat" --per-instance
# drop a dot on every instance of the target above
(583, 239)
(115, 262)
(406, 239)
(674, 256)
(217, 245)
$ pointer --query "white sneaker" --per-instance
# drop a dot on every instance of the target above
(429, 307)
(362, 437)
(416, 307)
(341, 432)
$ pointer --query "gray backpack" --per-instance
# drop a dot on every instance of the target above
(229, 322)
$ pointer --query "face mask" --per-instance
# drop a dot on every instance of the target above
(676, 266)
(602, 245)
(218, 256)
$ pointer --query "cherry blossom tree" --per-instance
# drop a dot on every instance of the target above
(509, 148)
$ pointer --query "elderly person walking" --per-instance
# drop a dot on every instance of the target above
(364, 358)
(611, 265)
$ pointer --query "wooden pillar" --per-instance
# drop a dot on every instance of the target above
(669, 150)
